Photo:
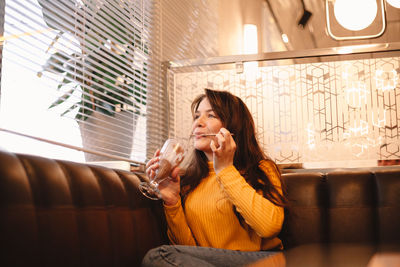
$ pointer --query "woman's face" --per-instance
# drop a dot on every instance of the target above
(205, 121)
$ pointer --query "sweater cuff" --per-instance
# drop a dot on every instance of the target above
(172, 209)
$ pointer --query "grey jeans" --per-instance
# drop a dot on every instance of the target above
(200, 256)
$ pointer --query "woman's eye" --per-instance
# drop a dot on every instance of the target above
(213, 116)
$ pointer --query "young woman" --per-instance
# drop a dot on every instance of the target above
(227, 209)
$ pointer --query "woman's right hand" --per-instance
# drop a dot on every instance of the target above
(169, 188)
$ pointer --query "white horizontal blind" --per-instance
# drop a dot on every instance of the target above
(96, 62)
(189, 31)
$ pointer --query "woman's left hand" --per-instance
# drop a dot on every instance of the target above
(223, 150)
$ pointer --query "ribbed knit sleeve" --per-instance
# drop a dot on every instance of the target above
(264, 217)
(178, 229)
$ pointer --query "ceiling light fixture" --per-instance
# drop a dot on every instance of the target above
(394, 3)
(353, 16)
(250, 46)
(345, 14)
(285, 38)
(250, 39)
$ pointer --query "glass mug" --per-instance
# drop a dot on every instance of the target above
(171, 155)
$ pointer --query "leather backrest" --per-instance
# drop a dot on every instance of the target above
(59, 213)
(306, 214)
(388, 205)
(354, 206)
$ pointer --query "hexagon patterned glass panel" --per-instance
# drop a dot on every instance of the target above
(342, 113)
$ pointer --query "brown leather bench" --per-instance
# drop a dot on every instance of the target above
(60, 213)
(342, 206)
(342, 217)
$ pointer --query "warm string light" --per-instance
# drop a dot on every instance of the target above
(379, 123)
(386, 80)
(355, 137)
(355, 91)
(310, 136)
(356, 94)
(360, 145)
(357, 130)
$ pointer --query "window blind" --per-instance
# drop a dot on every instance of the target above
(83, 72)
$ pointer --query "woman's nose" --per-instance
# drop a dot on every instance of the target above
(200, 121)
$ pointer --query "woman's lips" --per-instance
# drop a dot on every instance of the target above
(203, 134)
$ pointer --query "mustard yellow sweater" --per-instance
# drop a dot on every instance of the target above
(208, 219)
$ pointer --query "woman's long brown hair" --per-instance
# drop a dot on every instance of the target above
(235, 117)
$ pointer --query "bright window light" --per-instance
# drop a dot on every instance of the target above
(355, 15)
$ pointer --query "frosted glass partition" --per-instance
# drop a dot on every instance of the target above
(339, 113)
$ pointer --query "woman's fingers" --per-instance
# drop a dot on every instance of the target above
(221, 140)
(224, 132)
(150, 162)
(153, 164)
(224, 145)
(224, 140)
(212, 146)
(223, 148)
(154, 159)
(151, 171)
(175, 174)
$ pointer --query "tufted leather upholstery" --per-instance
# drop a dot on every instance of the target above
(60, 213)
(343, 206)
